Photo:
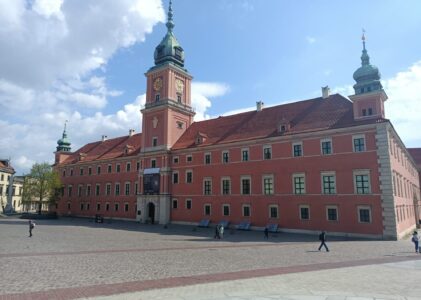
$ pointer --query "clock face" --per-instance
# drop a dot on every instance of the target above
(157, 84)
(179, 85)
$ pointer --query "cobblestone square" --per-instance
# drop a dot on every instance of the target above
(73, 258)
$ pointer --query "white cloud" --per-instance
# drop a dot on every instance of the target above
(310, 39)
(201, 92)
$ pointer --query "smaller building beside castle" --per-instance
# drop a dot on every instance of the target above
(11, 188)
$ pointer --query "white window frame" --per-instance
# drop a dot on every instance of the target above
(299, 211)
(327, 213)
(270, 150)
(172, 203)
(154, 141)
(126, 205)
(321, 146)
(223, 210)
(210, 158)
(248, 154)
(242, 210)
(268, 176)
(128, 167)
(362, 172)
(277, 211)
(118, 168)
(222, 185)
(293, 150)
(210, 209)
(298, 175)
(228, 157)
(359, 136)
(175, 160)
(125, 188)
(360, 207)
(328, 173)
(116, 206)
(241, 184)
(153, 160)
(189, 158)
(173, 177)
(106, 189)
(115, 189)
(88, 190)
(210, 180)
(189, 171)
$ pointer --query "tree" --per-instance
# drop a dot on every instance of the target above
(41, 185)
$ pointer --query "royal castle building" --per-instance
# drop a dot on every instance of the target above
(331, 163)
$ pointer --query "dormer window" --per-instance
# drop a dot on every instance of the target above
(283, 125)
(200, 138)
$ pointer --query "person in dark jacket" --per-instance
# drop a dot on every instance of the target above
(31, 226)
(266, 233)
(322, 238)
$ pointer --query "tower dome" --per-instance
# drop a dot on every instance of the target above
(63, 144)
(367, 76)
(169, 50)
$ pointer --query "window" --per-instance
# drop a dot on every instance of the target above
(81, 171)
(117, 189)
(362, 182)
(245, 186)
(153, 163)
(107, 206)
(97, 187)
(326, 147)
(117, 168)
(273, 211)
(116, 206)
(364, 214)
(175, 160)
(81, 206)
(127, 189)
(246, 210)
(154, 141)
(109, 168)
(69, 190)
(71, 172)
(207, 186)
(359, 143)
(226, 186)
(174, 203)
(207, 209)
(68, 205)
(79, 190)
(98, 206)
(225, 157)
(328, 183)
(268, 185)
(304, 212)
(108, 189)
(299, 184)
(189, 158)
(267, 152)
(370, 111)
(207, 158)
(64, 174)
(157, 97)
(89, 171)
(137, 166)
(244, 154)
(128, 167)
(188, 204)
(297, 149)
(225, 210)
(126, 207)
(332, 213)
(88, 206)
(88, 190)
(98, 170)
(364, 112)
(179, 98)
(189, 176)
(136, 187)
(175, 177)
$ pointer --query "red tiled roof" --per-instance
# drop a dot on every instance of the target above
(6, 168)
(416, 155)
(108, 149)
(303, 116)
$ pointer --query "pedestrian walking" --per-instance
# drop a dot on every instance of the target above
(221, 231)
(322, 238)
(415, 239)
(216, 232)
(266, 231)
(31, 227)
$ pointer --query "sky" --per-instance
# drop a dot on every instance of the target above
(84, 61)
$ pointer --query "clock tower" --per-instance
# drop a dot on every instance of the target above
(165, 117)
(167, 112)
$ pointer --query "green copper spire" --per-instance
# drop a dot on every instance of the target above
(367, 76)
(169, 50)
(64, 142)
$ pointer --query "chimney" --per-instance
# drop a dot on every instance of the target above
(259, 105)
(104, 138)
(131, 132)
(325, 92)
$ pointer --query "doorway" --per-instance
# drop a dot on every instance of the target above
(151, 212)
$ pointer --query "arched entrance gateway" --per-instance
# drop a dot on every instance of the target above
(151, 212)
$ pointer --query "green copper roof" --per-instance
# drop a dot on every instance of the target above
(169, 50)
(64, 142)
(367, 76)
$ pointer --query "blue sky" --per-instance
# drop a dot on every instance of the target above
(84, 61)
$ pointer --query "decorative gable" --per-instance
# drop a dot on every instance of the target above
(200, 138)
(128, 149)
(82, 156)
(284, 125)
